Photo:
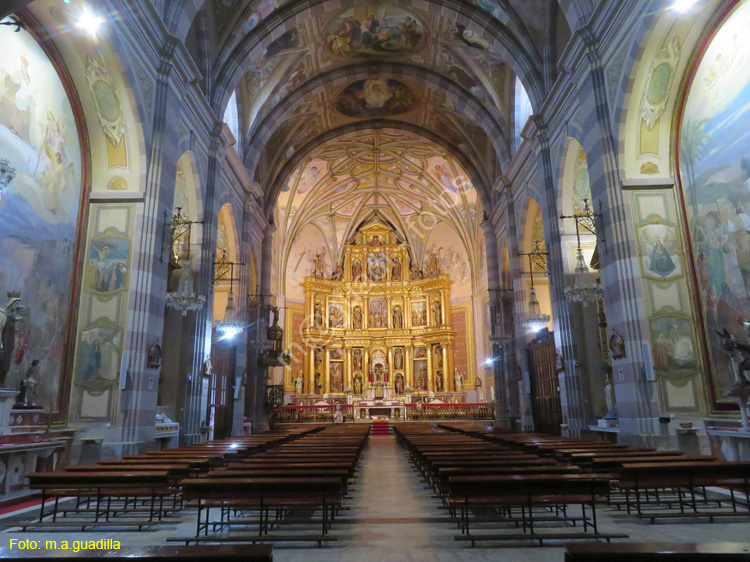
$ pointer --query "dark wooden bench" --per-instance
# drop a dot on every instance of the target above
(232, 495)
(527, 493)
(101, 486)
(172, 553)
(658, 552)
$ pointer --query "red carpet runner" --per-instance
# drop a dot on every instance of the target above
(380, 427)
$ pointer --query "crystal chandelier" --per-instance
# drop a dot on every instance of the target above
(583, 289)
(185, 298)
(231, 325)
(534, 320)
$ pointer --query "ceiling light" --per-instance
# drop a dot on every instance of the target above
(683, 6)
(89, 22)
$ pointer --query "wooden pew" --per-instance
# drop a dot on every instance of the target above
(172, 553)
(658, 552)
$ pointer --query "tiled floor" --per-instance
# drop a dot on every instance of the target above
(394, 518)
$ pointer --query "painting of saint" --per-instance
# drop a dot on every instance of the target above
(374, 30)
(714, 175)
(672, 344)
(318, 315)
(337, 354)
(398, 318)
(40, 203)
(378, 313)
(419, 314)
(98, 360)
(337, 377)
(420, 375)
(376, 97)
(420, 353)
(357, 271)
(287, 41)
(660, 253)
(376, 266)
(357, 318)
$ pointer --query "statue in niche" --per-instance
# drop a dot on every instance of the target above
(298, 384)
(396, 270)
(609, 395)
(357, 318)
(376, 241)
(439, 355)
(398, 318)
(358, 385)
(357, 359)
(10, 315)
(437, 313)
(318, 357)
(357, 271)
(439, 381)
(318, 315)
(458, 380)
(318, 383)
(398, 359)
(399, 384)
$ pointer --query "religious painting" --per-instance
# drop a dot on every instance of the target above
(318, 315)
(287, 41)
(378, 313)
(357, 360)
(107, 264)
(336, 354)
(715, 178)
(659, 251)
(471, 38)
(420, 353)
(335, 315)
(376, 97)
(616, 345)
(337, 377)
(418, 314)
(98, 360)
(672, 343)
(376, 266)
(374, 30)
(420, 374)
(40, 203)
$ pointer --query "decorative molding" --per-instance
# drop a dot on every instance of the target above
(106, 100)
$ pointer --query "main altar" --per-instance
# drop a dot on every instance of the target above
(378, 328)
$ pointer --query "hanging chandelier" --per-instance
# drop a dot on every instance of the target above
(231, 325)
(583, 289)
(185, 299)
(534, 320)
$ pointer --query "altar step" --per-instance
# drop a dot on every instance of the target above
(380, 427)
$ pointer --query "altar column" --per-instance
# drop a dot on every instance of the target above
(309, 387)
(348, 369)
(447, 366)
(430, 375)
(327, 369)
(408, 365)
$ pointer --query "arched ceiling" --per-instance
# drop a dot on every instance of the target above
(446, 67)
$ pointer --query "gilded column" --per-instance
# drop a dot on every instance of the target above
(327, 371)
(348, 368)
(430, 374)
(448, 364)
(408, 365)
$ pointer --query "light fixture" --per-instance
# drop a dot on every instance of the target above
(89, 22)
(185, 299)
(231, 325)
(683, 6)
(583, 289)
(534, 319)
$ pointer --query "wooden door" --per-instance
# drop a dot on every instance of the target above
(221, 391)
(545, 392)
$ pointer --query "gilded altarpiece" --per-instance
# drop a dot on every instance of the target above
(376, 328)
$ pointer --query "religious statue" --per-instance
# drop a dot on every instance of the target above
(416, 273)
(27, 386)
(11, 313)
(335, 316)
(398, 359)
(357, 271)
(318, 383)
(439, 355)
(357, 359)
(459, 381)
(318, 315)
(318, 357)
(338, 273)
(358, 385)
(399, 384)
(559, 365)
(616, 345)
(437, 313)
(396, 270)
(375, 241)
(208, 368)
(398, 318)
(357, 318)
(154, 355)
(609, 395)
(433, 263)
(319, 265)
(439, 381)
(298, 384)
